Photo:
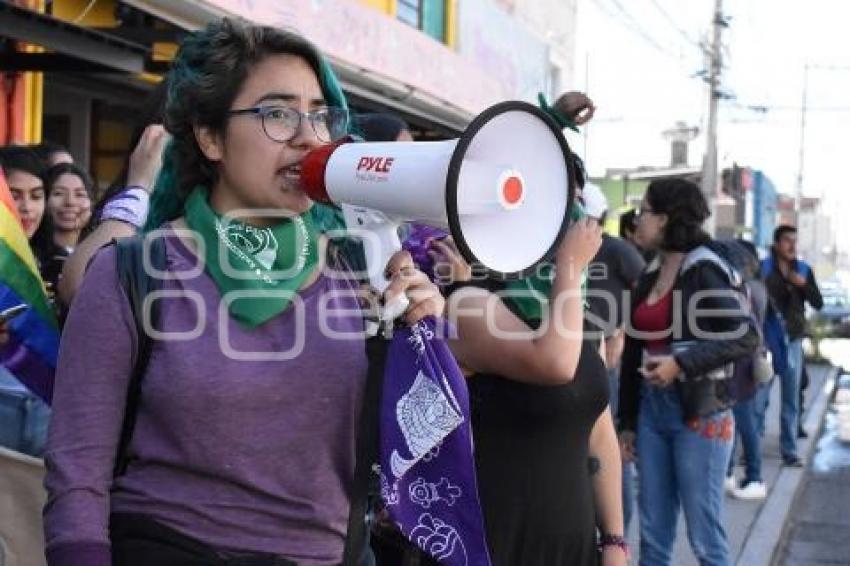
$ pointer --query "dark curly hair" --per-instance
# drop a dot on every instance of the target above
(686, 209)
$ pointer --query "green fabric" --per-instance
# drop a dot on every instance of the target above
(537, 288)
(18, 277)
(272, 263)
(434, 19)
(562, 119)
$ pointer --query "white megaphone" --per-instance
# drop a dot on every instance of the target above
(502, 190)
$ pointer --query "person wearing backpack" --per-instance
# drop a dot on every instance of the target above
(749, 379)
(244, 443)
(688, 324)
(791, 284)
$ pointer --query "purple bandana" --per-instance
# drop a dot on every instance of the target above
(427, 467)
(418, 243)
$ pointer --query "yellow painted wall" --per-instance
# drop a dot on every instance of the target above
(451, 23)
(33, 84)
(385, 6)
(100, 14)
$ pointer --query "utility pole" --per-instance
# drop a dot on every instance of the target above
(709, 164)
(798, 201)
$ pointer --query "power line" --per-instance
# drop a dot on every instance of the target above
(764, 108)
(637, 30)
(676, 27)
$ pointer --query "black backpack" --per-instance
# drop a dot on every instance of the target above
(752, 370)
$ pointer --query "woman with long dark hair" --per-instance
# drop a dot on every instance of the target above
(69, 192)
(675, 392)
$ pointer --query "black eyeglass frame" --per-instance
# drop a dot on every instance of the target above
(264, 111)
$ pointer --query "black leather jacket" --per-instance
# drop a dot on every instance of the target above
(702, 270)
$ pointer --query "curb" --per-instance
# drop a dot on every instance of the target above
(767, 533)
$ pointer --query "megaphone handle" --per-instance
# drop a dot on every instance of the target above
(387, 243)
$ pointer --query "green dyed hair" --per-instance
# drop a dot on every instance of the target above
(206, 75)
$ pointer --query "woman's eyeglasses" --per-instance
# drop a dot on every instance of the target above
(281, 123)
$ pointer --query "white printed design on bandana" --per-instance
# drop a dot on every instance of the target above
(439, 539)
(426, 493)
(419, 334)
(425, 417)
(260, 243)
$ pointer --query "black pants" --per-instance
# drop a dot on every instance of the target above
(138, 540)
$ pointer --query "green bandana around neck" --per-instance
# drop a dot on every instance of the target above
(533, 291)
(267, 264)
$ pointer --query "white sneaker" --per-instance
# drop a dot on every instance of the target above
(730, 484)
(752, 491)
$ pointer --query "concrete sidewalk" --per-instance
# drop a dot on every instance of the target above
(755, 528)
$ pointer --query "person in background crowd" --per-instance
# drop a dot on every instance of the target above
(752, 486)
(791, 284)
(611, 276)
(24, 417)
(69, 204)
(675, 416)
(628, 228)
(231, 460)
(52, 153)
(383, 127)
(124, 216)
(25, 177)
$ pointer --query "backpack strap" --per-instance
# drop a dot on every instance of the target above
(137, 283)
(366, 489)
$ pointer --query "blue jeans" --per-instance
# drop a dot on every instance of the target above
(746, 427)
(23, 417)
(760, 402)
(789, 418)
(628, 472)
(681, 464)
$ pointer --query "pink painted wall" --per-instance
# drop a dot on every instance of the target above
(364, 37)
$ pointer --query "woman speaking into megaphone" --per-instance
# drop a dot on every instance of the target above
(241, 445)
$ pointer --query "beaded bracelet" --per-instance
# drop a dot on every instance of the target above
(614, 540)
(130, 206)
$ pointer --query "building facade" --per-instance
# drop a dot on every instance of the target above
(436, 63)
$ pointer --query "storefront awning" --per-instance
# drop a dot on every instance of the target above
(71, 44)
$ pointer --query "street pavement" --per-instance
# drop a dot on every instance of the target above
(818, 526)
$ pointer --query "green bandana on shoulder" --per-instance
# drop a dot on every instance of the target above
(533, 291)
(256, 270)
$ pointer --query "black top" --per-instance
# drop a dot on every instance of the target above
(612, 273)
(51, 260)
(531, 452)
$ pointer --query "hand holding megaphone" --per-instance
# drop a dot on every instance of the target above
(421, 296)
(502, 190)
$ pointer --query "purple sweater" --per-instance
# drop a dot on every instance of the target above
(242, 454)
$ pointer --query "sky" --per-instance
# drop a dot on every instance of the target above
(638, 60)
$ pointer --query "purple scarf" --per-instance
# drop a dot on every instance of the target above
(427, 467)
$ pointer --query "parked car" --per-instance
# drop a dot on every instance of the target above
(833, 320)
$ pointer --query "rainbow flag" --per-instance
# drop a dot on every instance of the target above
(31, 352)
